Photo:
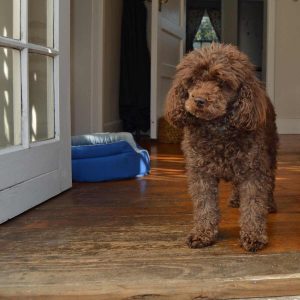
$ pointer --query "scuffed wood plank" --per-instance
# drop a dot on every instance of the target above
(192, 289)
(108, 275)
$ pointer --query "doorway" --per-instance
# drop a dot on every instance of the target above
(242, 23)
(135, 82)
(251, 33)
(95, 93)
(203, 25)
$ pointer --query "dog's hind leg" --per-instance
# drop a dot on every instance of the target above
(272, 207)
(204, 192)
(234, 200)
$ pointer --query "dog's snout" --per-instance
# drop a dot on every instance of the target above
(200, 102)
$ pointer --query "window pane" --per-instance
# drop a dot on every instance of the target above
(40, 22)
(10, 98)
(206, 33)
(10, 18)
(41, 97)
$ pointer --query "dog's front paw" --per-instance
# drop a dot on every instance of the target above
(234, 203)
(200, 239)
(253, 243)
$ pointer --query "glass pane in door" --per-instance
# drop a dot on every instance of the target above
(41, 97)
(10, 98)
(40, 22)
(10, 18)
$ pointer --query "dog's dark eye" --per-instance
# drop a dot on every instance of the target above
(224, 85)
(184, 94)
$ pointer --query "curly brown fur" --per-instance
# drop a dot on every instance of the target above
(229, 133)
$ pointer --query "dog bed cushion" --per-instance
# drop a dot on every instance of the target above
(107, 156)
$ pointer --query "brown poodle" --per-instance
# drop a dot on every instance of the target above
(229, 133)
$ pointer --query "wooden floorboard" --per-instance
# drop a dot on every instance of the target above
(125, 240)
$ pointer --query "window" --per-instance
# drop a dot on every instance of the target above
(28, 72)
(206, 33)
(203, 23)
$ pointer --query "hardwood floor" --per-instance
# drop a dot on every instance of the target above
(125, 240)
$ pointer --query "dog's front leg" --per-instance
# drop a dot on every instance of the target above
(204, 192)
(254, 209)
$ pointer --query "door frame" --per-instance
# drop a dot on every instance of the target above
(285, 125)
(65, 93)
(97, 65)
(155, 71)
(270, 48)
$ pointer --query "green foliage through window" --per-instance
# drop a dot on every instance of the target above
(206, 33)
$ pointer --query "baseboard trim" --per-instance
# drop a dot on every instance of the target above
(288, 126)
(113, 126)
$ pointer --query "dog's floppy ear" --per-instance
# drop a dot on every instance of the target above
(175, 112)
(250, 108)
(187, 72)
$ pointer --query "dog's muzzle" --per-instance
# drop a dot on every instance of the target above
(200, 102)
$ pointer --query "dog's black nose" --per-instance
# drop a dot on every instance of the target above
(200, 102)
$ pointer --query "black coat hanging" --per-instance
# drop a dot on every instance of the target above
(135, 68)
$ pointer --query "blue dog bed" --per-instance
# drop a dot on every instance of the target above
(107, 156)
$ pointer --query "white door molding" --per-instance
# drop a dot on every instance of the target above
(167, 48)
(271, 49)
(97, 58)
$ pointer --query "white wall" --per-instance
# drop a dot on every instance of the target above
(111, 64)
(281, 60)
(95, 57)
(287, 66)
(81, 22)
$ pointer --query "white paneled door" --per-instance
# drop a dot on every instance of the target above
(167, 48)
(35, 161)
